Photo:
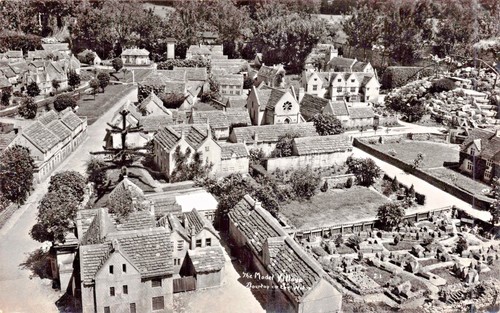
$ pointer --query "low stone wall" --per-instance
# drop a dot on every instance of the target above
(337, 180)
(313, 161)
(463, 195)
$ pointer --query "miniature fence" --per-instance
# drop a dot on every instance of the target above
(362, 226)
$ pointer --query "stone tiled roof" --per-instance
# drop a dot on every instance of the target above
(231, 79)
(136, 221)
(488, 141)
(48, 117)
(194, 73)
(208, 259)
(71, 120)
(40, 136)
(341, 62)
(84, 219)
(4, 82)
(272, 133)
(19, 67)
(162, 77)
(312, 105)
(195, 134)
(92, 258)
(268, 71)
(175, 87)
(152, 101)
(135, 51)
(6, 139)
(339, 108)
(287, 258)
(238, 103)
(230, 150)
(216, 118)
(154, 123)
(8, 72)
(55, 46)
(58, 128)
(175, 225)
(322, 144)
(263, 95)
(165, 205)
(359, 66)
(199, 222)
(361, 112)
(174, 75)
(14, 54)
(127, 186)
(276, 95)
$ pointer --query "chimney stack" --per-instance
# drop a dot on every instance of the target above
(301, 94)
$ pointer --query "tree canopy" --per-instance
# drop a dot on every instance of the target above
(28, 108)
(103, 79)
(16, 173)
(64, 101)
(74, 79)
(327, 124)
(284, 146)
(365, 170)
(69, 181)
(390, 215)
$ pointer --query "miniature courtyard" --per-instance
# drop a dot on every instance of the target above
(436, 264)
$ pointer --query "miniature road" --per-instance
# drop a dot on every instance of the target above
(435, 197)
(19, 292)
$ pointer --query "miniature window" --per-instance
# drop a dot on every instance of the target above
(367, 97)
(133, 308)
(112, 291)
(339, 80)
(158, 303)
(198, 243)
(208, 242)
(315, 87)
(156, 283)
(489, 163)
(339, 89)
(469, 165)
(125, 289)
(287, 106)
(107, 309)
(207, 148)
(353, 89)
(472, 151)
(111, 269)
(124, 268)
(180, 245)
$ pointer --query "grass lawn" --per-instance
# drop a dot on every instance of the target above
(428, 262)
(445, 273)
(334, 207)
(458, 179)
(435, 154)
(381, 277)
(94, 108)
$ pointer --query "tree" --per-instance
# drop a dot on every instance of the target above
(56, 213)
(214, 90)
(189, 167)
(89, 58)
(64, 101)
(418, 160)
(324, 188)
(117, 64)
(284, 145)
(6, 95)
(256, 156)
(69, 181)
(32, 89)
(16, 173)
(390, 215)
(354, 241)
(395, 184)
(74, 79)
(56, 84)
(495, 206)
(94, 84)
(397, 239)
(28, 108)
(248, 82)
(462, 245)
(304, 183)
(327, 124)
(103, 79)
(339, 240)
(96, 172)
(365, 170)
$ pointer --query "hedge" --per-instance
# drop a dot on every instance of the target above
(397, 76)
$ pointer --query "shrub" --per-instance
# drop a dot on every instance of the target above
(349, 182)
(420, 198)
(443, 84)
(64, 101)
(324, 188)
(28, 108)
(397, 76)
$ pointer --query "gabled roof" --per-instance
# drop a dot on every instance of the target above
(19, 67)
(233, 150)
(14, 54)
(208, 259)
(137, 220)
(359, 66)
(38, 54)
(152, 101)
(8, 72)
(361, 112)
(272, 95)
(194, 73)
(489, 143)
(135, 51)
(4, 82)
(175, 225)
(312, 105)
(59, 129)
(162, 77)
(6, 140)
(341, 62)
(322, 144)
(153, 123)
(48, 117)
(339, 108)
(71, 120)
(194, 134)
(40, 136)
(272, 133)
(92, 258)
(269, 71)
(55, 46)
(175, 87)
(198, 222)
(216, 118)
(126, 185)
(231, 79)
(263, 95)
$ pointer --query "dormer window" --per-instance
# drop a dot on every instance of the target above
(287, 106)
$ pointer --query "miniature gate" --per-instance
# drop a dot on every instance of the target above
(186, 283)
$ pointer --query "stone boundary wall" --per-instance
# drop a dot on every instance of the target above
(449, 188)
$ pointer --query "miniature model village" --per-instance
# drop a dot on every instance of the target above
(188, 177)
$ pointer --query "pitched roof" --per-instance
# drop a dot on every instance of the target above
(269, 71)
(152, 101)
(71, 120)
(341, 62)
(175, 225)
(19, 67)
(40, 136)
(361, 112)
(6, 139)
(198, 222)
(136, 220)
(174, 75)
(175, 87)
(231, 79)
(216, 118)
(4, 82)
(208, 259)
(359, 66)
(312, 105)
(153, 123)
(238, 117)
(272, 133)
(322, 144)
(237, 103)
(92, 258)
(55, 46)
(8, 72)
(287, 258)
(230, 150)
(126, 185)
(194, 73)
(162, 77)
(339, 108)
(14, 54)
(489, 143)
(135, 51)
(263, 95)
(274, 97)
(59, 129)
(48, 117)
(195, 134)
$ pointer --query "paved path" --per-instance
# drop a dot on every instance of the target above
(19, 292)
(435, 197)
